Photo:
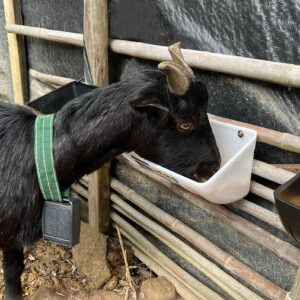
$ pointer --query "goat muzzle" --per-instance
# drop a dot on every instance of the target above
(179, 74)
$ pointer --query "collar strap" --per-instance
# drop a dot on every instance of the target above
(44, 160)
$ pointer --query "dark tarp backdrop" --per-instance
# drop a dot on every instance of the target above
(254, 28)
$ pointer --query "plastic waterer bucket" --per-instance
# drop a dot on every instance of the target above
(54, 101)
(232, 182)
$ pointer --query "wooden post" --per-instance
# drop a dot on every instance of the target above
(96, 43)
(294, 294)
(16, 47)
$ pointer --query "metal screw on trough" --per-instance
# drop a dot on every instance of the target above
(240, 133)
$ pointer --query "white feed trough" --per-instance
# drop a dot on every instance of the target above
(232, 181)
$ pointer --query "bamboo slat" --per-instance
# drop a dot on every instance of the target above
(281, 248)
(259, 212)
(262, 191)
(83, 182)
(294, 294)
(78, 188)
(280, 73)
(295, 168)
(184, 292)
(231, 286)
(52, 79)
(224, 259)
(182, 276)
(75, 39)
(275, 138)
(270, 172)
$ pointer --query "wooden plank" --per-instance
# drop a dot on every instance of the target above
(16, 47)
(294, 294)
(96, 43)
(71, 38)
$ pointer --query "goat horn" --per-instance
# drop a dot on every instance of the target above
(177, 77)
(177, 71)
(176, 54)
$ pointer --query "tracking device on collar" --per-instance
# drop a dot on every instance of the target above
(61, 214)
(61, 222)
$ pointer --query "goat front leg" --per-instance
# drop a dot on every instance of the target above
(13, 266)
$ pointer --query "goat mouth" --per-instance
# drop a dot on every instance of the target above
(200, 178)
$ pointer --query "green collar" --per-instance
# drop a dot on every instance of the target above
(44, 161)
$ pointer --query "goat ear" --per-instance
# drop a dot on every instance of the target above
(149, 104)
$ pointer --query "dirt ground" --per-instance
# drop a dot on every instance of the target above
(51, 269)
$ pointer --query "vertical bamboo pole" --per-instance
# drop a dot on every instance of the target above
(16, 47)
(294, 294)
(96, 43)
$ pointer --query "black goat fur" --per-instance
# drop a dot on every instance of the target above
(88, 132)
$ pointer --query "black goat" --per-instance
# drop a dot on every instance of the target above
(163, 122)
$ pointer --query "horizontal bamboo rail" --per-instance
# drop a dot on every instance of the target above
(230, 285)
(51, 79)
(294, 294)
(79, 189)
(270, 172)
(262, 191)
(84, 182)
(295, 168)
(281, 248)
(227, 261)
(243, 205)
(161, 271)
(280, 73)
(133, 235)
(259, 212)
(75, 39)
(282, 140)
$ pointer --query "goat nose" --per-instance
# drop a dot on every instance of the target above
(205, 170)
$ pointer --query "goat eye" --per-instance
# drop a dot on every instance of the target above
(185, 126)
